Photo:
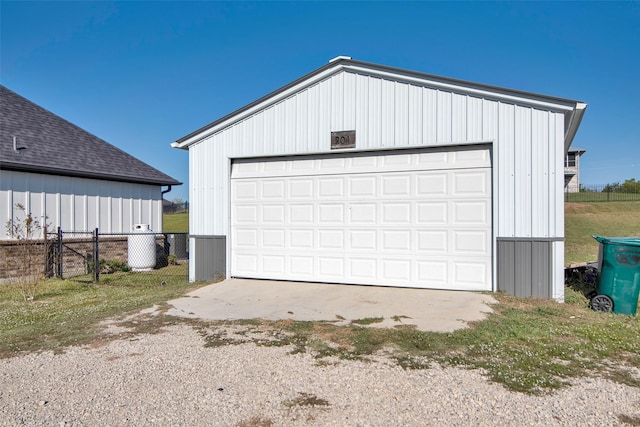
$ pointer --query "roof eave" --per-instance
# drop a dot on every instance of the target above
(346, 63)
(19, 167)
(574, 123)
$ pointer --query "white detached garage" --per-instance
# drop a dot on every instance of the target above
(364, 174)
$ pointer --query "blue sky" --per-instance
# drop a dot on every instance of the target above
(142, 74)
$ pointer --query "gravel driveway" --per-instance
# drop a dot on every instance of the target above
(172, 379)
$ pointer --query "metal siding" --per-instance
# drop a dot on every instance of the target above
(387, 119)
(414, 115)
(541, 268)
(522, 172)
(401, 114)
(523, 269)
(337, 102)
(429, 116)
(443, 117)
(474, 119)
(76, 204)
(506, 275)
(375, 113)
(362, 110)
(458, 118)
(541, 184)
(310, 130)
(504, 153)
(349, 102)
(527, 144)
(557, 271)
(209, 258)
(302, 124)
(558, 188)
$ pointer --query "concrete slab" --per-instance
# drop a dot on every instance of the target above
(427, 309)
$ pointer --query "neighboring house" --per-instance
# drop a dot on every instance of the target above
(76, 180)
(572, 170)
(365, 174)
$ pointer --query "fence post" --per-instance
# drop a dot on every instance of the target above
(96, 256)
(60, 258)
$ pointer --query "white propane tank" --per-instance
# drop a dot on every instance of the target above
(142, 248)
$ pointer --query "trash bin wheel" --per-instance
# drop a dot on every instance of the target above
(602, 303)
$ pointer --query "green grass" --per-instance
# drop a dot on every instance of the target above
(176, 223)
(67, 312)
(528, 345)
(582, 220)
(588, 196)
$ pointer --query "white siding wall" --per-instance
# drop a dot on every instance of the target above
(79, 204)
(527, 142)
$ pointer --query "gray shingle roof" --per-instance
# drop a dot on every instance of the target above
(57, 147)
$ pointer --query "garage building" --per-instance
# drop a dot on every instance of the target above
(364, 174)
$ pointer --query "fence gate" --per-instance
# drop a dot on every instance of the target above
(72, 254)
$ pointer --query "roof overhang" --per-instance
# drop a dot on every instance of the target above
(572, 123)
(47, 170)
(573, 110)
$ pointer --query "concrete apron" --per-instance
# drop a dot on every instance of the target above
(427, 309)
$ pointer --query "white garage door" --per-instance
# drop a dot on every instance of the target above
(419, 218)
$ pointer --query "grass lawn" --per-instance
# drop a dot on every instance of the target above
(582, 220)
(176, 223)
(528, 345)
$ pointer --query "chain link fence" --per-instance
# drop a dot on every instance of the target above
(139, 257)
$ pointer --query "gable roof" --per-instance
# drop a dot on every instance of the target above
(573, 110)
(51, 145)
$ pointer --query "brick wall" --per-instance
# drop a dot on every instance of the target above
(77, 254)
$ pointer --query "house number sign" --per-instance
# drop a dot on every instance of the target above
(343, 139)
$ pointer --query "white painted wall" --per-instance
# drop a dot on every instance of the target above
(528, 143)
(79, 204)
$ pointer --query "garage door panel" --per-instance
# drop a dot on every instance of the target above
(362, 240)
(273, 189)
(476, 212)
(434, 242)
(470, 183)
(301, 266)
(432, 213)
(396, 185)
(245, 214)
(432, 184)
(330, 188)
(301, 239)
(273, 214)
(362, 186)
(396, 213)
(416, 219)
(301, 188)
(330, 213)
(471, 242)
(301, 213)
(363, 213)
(331, 267)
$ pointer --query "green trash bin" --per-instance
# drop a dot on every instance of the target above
(619, 279)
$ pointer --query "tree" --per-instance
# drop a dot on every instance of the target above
(630, 186)
(27, 231)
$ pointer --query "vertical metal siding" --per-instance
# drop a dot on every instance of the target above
(443, 117)
(527, 144)
(525, 267)
(458, 118)
(415, 115)
(504, 152)
(522, 172)
(80, 204)
(430, 115)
